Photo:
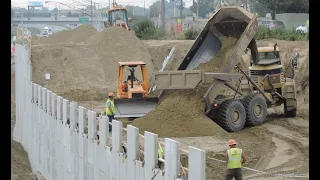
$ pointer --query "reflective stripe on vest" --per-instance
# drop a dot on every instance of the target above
(235, 156)
(112, 108)
(159, 151)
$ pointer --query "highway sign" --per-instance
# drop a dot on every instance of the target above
(35, 4)
(83, 20)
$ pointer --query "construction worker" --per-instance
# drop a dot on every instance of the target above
(110, 109)
(234, 159)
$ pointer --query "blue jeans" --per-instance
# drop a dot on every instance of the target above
(110, 120)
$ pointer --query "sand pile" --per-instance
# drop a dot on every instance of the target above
(86, 71)
(117, 44)
(181, 111)
(77, 35)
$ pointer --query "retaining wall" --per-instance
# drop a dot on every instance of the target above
(53, 132)
(292, 20)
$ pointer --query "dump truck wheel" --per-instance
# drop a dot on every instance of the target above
(256, 109)
(231, 116)
(291, 113)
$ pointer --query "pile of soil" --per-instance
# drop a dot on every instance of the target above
(180, 114)
(117, 44)
(77, 35)
(21, 168)
(86, 71)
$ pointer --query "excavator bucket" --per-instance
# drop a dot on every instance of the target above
(229, 21)
(134, 108)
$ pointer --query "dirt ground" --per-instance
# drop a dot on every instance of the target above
(279, 146)
(20, 166)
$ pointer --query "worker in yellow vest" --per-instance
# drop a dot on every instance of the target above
(234, 159)
(160, 155)
(110, 109)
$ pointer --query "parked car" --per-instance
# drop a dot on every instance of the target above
(45, 34)
(303, 28)
(271, 24)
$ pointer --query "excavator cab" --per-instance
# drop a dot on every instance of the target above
(132, 92)
(131, 86)
(118, 17)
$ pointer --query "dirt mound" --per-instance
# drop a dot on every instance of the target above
(21, 168)
(86, 71)
(181, 111)
(77, 35)
(117, 44)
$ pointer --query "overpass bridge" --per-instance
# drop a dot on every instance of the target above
(51, 20)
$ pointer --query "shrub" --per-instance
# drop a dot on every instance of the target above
(191, 34)
(145, 30)
(291, 35)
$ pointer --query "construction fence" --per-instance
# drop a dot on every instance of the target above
(67, 141)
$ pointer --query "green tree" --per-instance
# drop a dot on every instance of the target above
(276, 6)
(55, 10)
(155, 9)
(205, 6)
(69, 14)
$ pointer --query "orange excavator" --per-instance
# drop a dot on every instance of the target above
(132, 93)
(118, 17)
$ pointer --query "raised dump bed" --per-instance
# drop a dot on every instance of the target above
(230, 21)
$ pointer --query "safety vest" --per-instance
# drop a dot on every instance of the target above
(160, 151)
(235, 156)
(112, 108)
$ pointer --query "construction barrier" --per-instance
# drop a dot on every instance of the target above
(178, 28)
(53, 132)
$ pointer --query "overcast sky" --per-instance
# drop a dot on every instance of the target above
(103, 3)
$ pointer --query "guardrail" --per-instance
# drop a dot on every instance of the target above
(61, 137)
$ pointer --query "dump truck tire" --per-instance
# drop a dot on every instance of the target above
(291, 113)
(231, 116)
(256, 109)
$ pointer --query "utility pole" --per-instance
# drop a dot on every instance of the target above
(174, 9)
(91, 13)
(144, 7)
(162, 11)
(94, 12)
(181, 8)
(246, 4)
(198, 8)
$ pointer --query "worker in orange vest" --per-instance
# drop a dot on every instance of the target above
(235, 157)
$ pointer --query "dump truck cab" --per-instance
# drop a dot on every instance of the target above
(269, 65)
(273, 78)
